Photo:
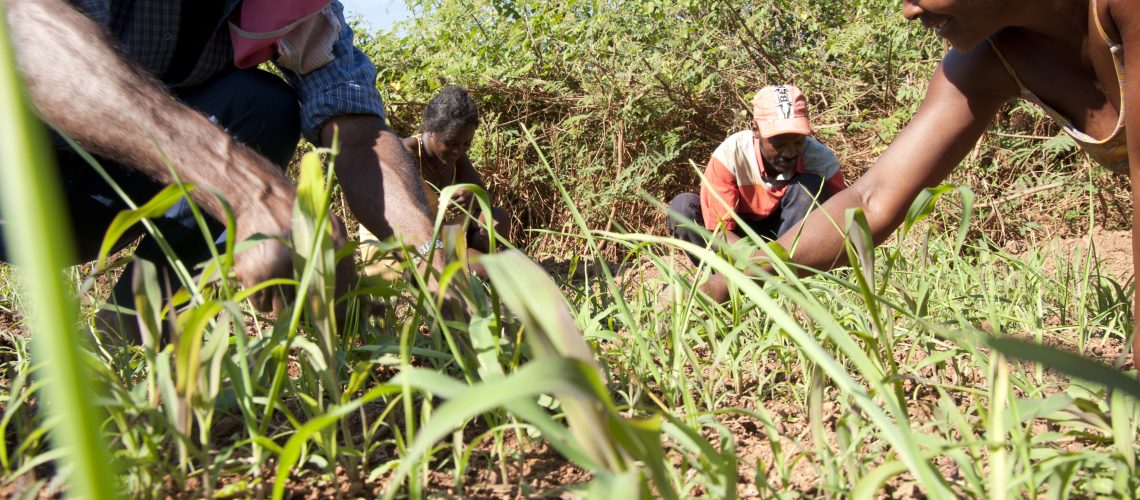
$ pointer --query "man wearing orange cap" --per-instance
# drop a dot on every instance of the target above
(152, 86)
(770, 176)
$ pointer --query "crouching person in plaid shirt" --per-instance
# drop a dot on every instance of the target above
(144, 84)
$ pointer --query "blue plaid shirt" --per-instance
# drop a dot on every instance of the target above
(147, 30)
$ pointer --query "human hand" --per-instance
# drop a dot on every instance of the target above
(271, 258)
(450, 304)
(462, 203)
(716, 287)
(345, 270)
(465, 198)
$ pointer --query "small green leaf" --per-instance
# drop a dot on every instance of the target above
(158, 205)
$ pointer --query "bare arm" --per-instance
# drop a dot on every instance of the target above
(382, 186)
(946, 127)
(379, 179)
(465, 173)
(959, 104)
(1125, 16)
(81, 84)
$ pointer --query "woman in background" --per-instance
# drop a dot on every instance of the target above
(440, 152)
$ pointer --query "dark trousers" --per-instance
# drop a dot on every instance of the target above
(256, 108)
(803, 192)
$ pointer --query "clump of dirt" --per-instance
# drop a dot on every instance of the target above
(11, 321)
(537, 469)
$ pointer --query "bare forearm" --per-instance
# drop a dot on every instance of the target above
(818, 242)
(468, 175)
(380, 183)
(86, 88)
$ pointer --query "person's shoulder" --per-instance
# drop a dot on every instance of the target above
(979, 73)
(745, 134)
(816, 148)
(819, 159)
(411, 143)
(812, 141)
(734, 152)
(738, 140)
(735, 144)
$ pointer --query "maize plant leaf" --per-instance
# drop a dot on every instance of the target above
(621, 485)
(900, 437)
(923, 206)
(31, 206)
(528, 291)
(314, 262)
(291, 453)
(1124, 429)
(533, 297)
(869, 486)
(156, 207)
(967, 196)
(148, 303)
(551, 376)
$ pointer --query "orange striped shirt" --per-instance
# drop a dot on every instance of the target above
(737, 181)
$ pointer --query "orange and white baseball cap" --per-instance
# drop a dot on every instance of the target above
(780, 109)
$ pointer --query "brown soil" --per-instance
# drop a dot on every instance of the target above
(10, 320)
(1113, 250)
(535, 470)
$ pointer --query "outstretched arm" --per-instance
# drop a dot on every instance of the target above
(382, 186)
(965, 93)
(946, 127)
(87, 89)
(379, 179)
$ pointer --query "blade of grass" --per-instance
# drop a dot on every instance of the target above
(1071, 364)
(34, 231)
(900, 437)
(157, 206)
(562, 376)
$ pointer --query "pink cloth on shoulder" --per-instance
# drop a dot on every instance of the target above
(260, 24)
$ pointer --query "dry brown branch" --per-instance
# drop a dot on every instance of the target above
(1020, 194)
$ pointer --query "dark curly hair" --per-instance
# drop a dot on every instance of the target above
(451, 109)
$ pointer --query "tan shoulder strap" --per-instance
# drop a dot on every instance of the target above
(1099, 26)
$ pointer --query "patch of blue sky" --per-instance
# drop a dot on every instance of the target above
(381, 15)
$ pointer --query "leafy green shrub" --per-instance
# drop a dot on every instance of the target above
(626, 97)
